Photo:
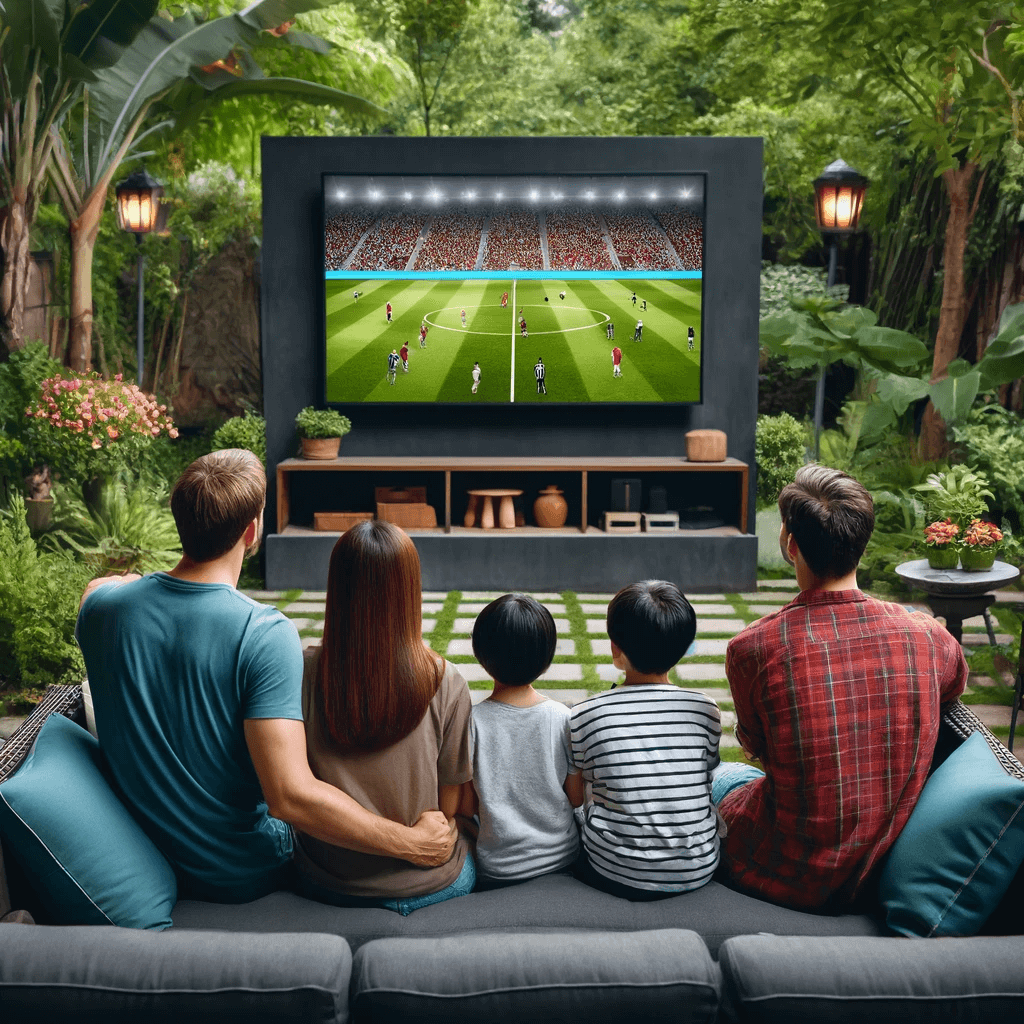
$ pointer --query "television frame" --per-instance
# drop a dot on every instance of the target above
(348, 406)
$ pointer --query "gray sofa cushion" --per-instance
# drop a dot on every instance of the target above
(649, 976)
(106, 975)
(714, 912)
(854, 981)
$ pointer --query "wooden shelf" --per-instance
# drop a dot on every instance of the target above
(635, 465)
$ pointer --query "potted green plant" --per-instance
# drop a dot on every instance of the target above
(321, 431)
(980, 543)
(941, 541)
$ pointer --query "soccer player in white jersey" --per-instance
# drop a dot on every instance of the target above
(392, 366)
(476, 377)
(463, 318)
(540, 373)
(647, 749)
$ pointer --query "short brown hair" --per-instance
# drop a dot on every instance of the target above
(830, 516)
(215, 499)
(376, 676)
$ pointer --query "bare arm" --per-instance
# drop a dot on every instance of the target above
(575, 789)
(293, 794)
(106, 581)
(449, 798)
(469, 802)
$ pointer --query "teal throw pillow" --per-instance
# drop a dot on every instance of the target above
(87, 858)
(961, 848)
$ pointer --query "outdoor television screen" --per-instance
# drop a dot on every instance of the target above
(512, 289)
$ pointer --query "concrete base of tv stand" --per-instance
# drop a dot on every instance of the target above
(578, 556)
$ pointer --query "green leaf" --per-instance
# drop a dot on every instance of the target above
(99, 31)
(35, 25)
(954, 396)
(1002, 362)
(891, 346)
(878, 418)
(310, 92)
(898, 393)
(1012, 320)
(958, 368)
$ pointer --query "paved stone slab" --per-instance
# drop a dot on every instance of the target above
(778, 584)
(567, 697)
(435, 595)
(596, 625)
(766, 597)
(728, 740)
(719, 696)
(709, 648)
(994, 715)
(431, 607)
(10, 725)
(980, 681)
(728, 720)
(264, 595)
(313, 595)
(566, 647)
(1009, 596)
(981, 639)
(711, 609)
(460, 647)
(687, 673)
(602, 647)
(478, 696)
(594, 608)
(600, 598)
(305, 606)
(474, 672)
(693, 595)
(306, 623)
(489, 595)
(476, 607)
(609, 673)
(763, 609)
(719, 625)
(310, 641)
(558, 673)
(428, 625)
(465, 625)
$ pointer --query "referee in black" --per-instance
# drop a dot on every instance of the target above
(538, 372)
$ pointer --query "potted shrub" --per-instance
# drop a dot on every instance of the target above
(941, 541)
(980, 543)
(321, 431)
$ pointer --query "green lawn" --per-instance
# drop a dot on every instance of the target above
(569, 334)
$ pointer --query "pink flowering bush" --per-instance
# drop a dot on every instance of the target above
(88, 427)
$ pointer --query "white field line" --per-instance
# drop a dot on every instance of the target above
(512, 372)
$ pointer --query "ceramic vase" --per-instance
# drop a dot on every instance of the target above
(943, 558)
(320, 447)
(977, 559)
(550, 510)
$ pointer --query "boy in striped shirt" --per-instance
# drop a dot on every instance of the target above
(647, 750)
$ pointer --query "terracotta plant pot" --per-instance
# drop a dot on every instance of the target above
(550, 510)
(943, 558)
(977, 559)
(320, 447)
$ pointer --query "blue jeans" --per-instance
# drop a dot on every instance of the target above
(730, 775)
(404, 905)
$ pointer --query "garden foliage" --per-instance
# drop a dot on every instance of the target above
(779, 450)
(248, 431)
(39, 595)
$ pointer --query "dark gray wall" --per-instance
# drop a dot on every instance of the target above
(292, 299)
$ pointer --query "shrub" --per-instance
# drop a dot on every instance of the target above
(991, 442)
(313, 423)
(39, 595)
(248, 431)
(779, 452)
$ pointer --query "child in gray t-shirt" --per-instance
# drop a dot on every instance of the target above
(524, 784)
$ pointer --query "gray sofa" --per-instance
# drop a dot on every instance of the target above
(550, 949)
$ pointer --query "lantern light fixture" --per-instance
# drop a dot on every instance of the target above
(139, 206)
(838, 198)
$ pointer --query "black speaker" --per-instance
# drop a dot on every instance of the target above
(625, 494)
(657, 501)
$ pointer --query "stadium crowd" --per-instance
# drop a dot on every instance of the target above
(576, 242)
(686, 232)
(390, 244)
(513, 238)
(341, 234)
(638, 242)
(452, 242)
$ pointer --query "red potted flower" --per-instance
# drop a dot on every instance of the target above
(941, 541)
(980, 543)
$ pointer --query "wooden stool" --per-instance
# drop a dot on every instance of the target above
(479, 502)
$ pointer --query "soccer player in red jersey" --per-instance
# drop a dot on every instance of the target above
(616, 361)
(389, 312)
(504, 301)
(404, 353)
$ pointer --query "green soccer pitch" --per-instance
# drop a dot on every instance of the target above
(569, 334)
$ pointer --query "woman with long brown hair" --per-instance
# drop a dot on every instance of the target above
(387, 722)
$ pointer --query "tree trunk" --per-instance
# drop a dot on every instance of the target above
(84, 230)
(14, 243)
(932, 444)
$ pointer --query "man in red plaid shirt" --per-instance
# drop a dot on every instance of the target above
(838, 695)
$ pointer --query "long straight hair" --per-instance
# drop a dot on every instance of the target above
(377, 677)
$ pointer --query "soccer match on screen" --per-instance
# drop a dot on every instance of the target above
(550, 289)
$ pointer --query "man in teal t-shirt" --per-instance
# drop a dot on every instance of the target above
(196, 690)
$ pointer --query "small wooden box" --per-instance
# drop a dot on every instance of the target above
(400, 495)
(339, 522)
(622, 522)
(407, 515)
(661, 522)
(706, 446)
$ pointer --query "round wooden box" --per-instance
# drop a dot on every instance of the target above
(706, 446)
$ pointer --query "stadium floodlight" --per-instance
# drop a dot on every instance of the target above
(341, 195)
(653, 195)
(436, 194)
(407, 196)
(499, 195)
(534, 195)
(620, 195)
(589, 194)
(471, 195)
(375, 193)
(684, 193)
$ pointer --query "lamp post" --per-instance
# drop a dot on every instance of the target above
(140, 211)
(838, 198)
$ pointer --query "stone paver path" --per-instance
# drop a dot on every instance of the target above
(583, 655)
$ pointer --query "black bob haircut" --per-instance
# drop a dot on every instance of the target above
(653, 624)
(514, 639)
